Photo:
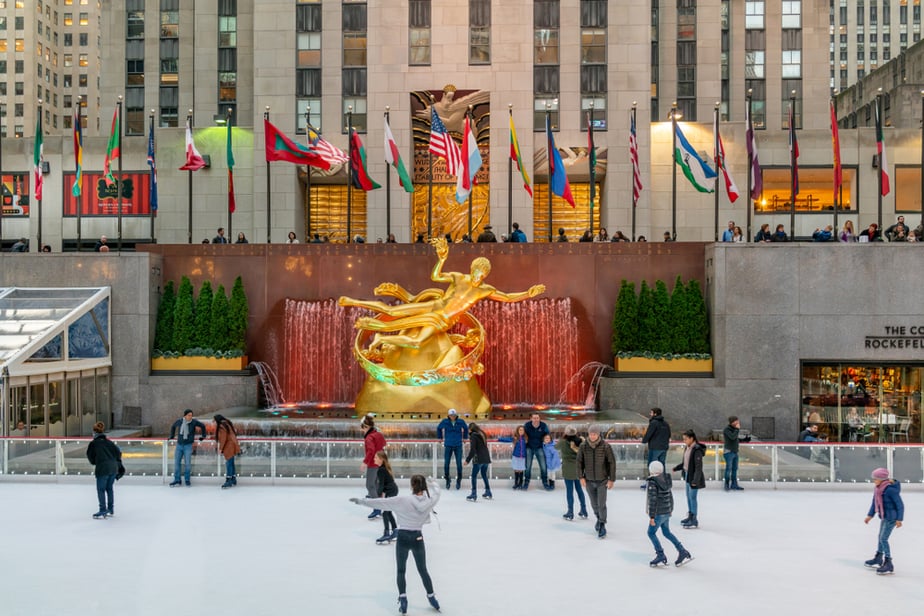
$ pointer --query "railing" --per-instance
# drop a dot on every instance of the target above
(272, 459)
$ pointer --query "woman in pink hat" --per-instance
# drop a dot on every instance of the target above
(888, 505)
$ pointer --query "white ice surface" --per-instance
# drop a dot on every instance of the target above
(304, 549)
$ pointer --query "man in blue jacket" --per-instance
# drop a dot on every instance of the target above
(535, 435)
(184, 429)
(453, 430)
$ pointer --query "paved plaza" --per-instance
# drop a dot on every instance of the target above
(302, 548)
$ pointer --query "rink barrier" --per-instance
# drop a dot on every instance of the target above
(271, 459)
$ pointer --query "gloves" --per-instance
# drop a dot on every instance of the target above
(356, 501)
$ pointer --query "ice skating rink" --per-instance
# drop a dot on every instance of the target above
(304, 549)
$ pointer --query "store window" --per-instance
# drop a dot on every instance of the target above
(856, 402)
(816, 190)
(908, 188)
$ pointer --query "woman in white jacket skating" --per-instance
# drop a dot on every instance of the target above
(413, 511)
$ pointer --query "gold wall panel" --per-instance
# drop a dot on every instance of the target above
(574, 219)
(450, 216)
(327, 213)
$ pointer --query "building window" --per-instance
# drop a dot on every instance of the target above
(169, 106)
(83, 60)
(134, 111)
(546, 69)
(134, 62)
(84, 39)
(754, 15)
(358, 120)
(308, 61)
(593, 61)
(419, 32)
(19, 45)
(908, 188)
(134, 21)
(68, 60)
(816, 190)
(84, 19)
(792, 14)
(792, 64)
(68, 19)
(479, 32)
(354, 73)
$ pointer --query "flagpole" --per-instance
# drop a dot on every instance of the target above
(387, 183)
(430, 185)
(189, 191)
(878, 155)
(80, 196)
(548, 124)
(510, 181)
(674, 169)
(590, 160)
(42, 129)
(837, 197)
(748, 236)
(119, 186)
(792, 167)
(718, 166)
(349, 228)
(153, 241)
(266, 113)
(471, 191)
(634, 200)
(308, 176)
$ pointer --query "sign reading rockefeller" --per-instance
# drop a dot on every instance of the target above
(898, 337)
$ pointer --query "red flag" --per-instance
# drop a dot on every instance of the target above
(880, 150)
(194, 160)
(836, 144)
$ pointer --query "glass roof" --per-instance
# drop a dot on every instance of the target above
(32, 321)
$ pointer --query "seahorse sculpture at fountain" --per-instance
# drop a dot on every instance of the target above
(415, 365)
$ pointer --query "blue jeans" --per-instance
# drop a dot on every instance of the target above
(731, 468)
(448, 452)
(662, 522)
(230, 471)
(182, 454)
(691, 497)
(885, 530)
(572, 486)
(657, 454)
(539, 455)
(483, 470)
(104, 485)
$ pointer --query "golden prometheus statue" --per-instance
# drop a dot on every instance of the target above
(417, 365)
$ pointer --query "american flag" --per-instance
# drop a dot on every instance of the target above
(633, 154)
(324, 148)
(442, 145)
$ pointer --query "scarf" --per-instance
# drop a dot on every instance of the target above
(877, 497)
(184, 429)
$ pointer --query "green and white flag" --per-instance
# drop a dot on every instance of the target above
(694, 168)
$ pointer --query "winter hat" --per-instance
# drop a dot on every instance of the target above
(655, 468)
(452, 412)
(570, 431)
(881, 473)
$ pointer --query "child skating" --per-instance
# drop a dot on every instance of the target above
(386, 488)
(413, 511)
(518, 457)
(552, 459)
(887, 504)
(660, 505)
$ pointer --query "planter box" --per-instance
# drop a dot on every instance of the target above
(645, 364)
(199, 364)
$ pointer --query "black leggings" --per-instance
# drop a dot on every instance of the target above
(412, 541)
(389, 519)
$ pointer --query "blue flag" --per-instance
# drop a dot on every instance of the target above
(153, 165)
(558, 179)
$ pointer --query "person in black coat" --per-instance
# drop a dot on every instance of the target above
(732, 437)
(480, 457)
(659, 506)
(657, 437)
(385, 487)
(106, 457)
(692, 469)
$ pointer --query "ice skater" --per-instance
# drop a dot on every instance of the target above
(106, 457)
(453, 431)
(692, 473)
(229, 447)
(386, 487)
(596, 466)
(518, 457)
(480, 457)
(887, 504)
(184, 429)
(660, 505)
(413, 511)
(373, 442)
(552, 459)
(568, 448)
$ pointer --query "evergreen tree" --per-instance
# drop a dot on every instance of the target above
(625, 319)
(204, 317)
(163, 332)
(679, 323)
(662, 336)
(184, 321)
(647, 322)
(239, 314)
(219, 332)
(697, 318)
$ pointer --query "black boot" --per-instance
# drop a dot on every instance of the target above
(727, 485)
(691, 523)
(875, 561)
(227, 484)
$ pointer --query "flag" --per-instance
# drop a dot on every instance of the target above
(442, 145)
(280, 147)
(113, 150)
(231, 203)
(880, 150)
(194, 160)
(38, 156)
(558, 179)
(836, 144)
(393, 158)
(516, 157)
(327, 151)
(793, 151)
(591, 161)
(78, 152)
(633, 154)
(358, 171)
(730, 187)
(152, 182)
(694, 168)
(471, 163)
(757, 180)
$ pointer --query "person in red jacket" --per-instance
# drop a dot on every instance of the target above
(374, 443)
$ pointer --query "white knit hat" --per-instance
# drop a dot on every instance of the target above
(655, 468)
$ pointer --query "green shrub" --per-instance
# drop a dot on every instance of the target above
(625, 319)
(203, 336)
(239, 313)
(184, 319)
(697, 319)
(678, 323)
(662, 334)
(219, 334)
(163, 331)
